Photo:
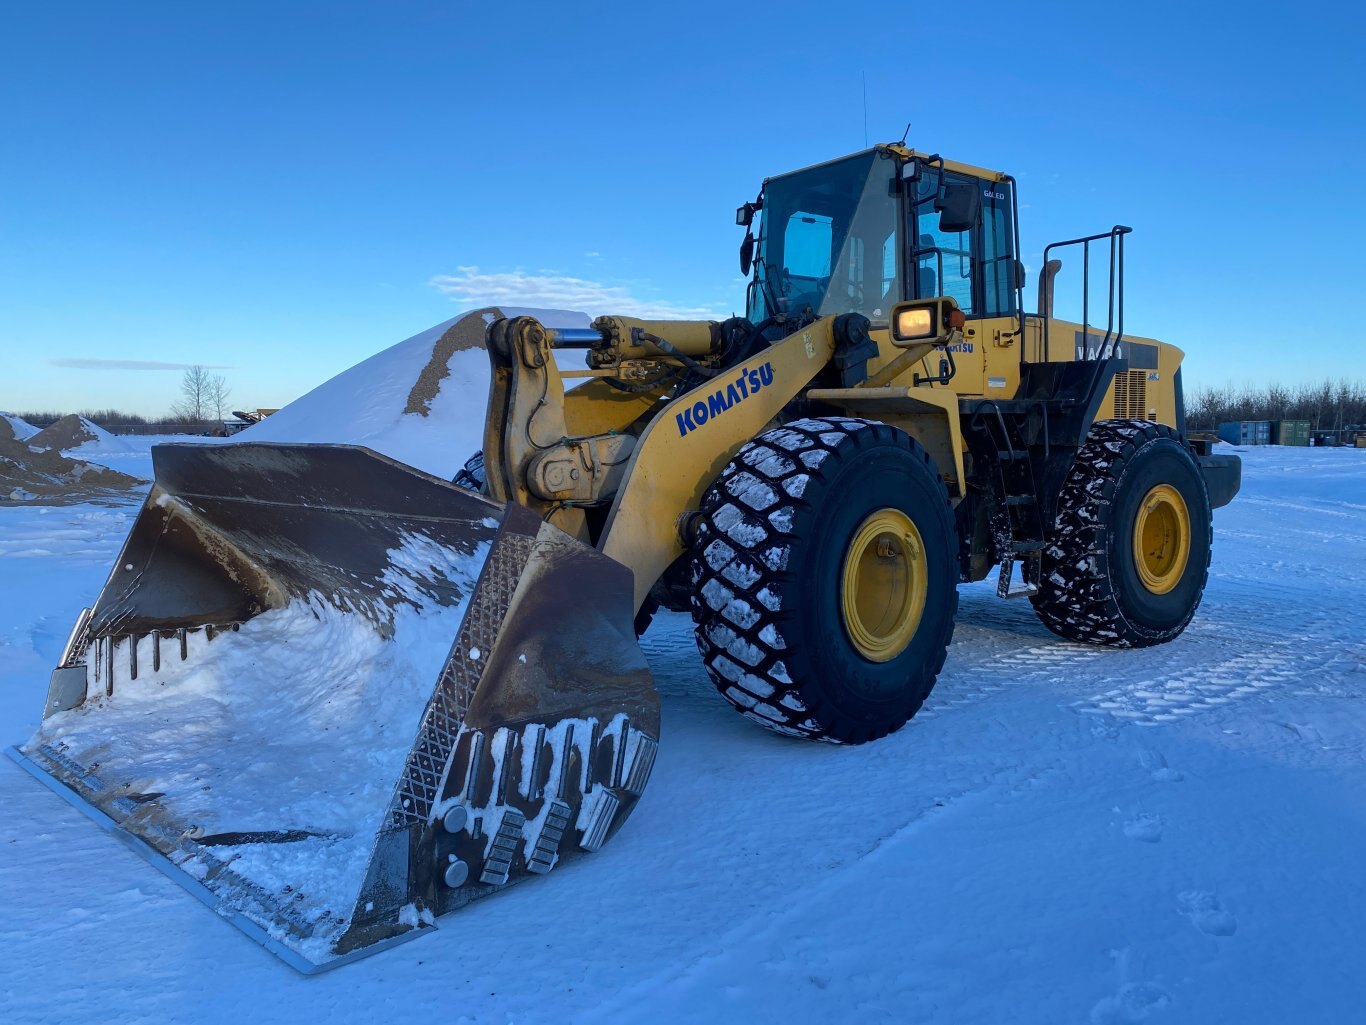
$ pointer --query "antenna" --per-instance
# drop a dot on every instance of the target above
(905, 133)
(865, 109)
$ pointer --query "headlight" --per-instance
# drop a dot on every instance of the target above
(913, 323)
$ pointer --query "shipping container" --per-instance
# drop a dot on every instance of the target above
(1246, 432)
(1290, 432)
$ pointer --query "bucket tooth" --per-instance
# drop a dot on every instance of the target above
(534, 785)
(642, 761)
(108, 661)
(620, 741)
(547, 845)
(476, 759)
(498, 864)
(600, 816)
(505, 764)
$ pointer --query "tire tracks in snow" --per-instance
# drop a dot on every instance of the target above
(760, 930)
(1185, 691)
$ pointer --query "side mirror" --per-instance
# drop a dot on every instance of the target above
(746, 254)
(959, 205)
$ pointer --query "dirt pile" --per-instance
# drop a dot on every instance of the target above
(46, 477)
(72, 431)
(13, 428)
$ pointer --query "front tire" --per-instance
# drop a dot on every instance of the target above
(825, 579)
(1128, 554)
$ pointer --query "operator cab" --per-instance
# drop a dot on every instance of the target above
(859, 234)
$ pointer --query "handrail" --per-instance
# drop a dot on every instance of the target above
(1114, 332)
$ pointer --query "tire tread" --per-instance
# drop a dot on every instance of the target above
(740, 582)
(1076, 598)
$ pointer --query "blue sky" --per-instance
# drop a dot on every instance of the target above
(284, 189)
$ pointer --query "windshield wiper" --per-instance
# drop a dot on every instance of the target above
(765, 282)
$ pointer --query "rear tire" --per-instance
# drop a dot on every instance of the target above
(825, 579)
(1128, 554)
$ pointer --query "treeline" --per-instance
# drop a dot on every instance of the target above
(1330, 406)
(112, 418)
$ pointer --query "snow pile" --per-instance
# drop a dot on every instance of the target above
(29, 474)
(14, 428)
(34, 466)
(421, 401)
(233, 749)
(74, 433)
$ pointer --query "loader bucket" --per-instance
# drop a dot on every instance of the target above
(338, 697)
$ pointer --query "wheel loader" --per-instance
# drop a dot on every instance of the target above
(810, 481)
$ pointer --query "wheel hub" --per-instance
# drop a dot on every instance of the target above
(1162, 538)
(884, 585)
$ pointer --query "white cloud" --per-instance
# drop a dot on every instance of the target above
(471, 287)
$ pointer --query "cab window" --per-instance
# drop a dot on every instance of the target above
(829, 240)
(976, 268)
(807, 242)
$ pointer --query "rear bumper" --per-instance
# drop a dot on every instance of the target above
(1223, 476)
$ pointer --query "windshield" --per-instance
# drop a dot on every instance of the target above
(828, 241)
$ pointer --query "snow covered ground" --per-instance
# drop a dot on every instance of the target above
(1064, 834)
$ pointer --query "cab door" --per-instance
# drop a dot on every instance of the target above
(973, 265)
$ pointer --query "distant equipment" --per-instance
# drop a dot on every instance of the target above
(1290, 432)
(1246, 432)
(245, 419)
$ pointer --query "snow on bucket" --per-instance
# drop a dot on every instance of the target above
(338, 696)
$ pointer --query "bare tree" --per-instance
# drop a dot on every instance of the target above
(193, 385)
(217, 394)
(203, 396)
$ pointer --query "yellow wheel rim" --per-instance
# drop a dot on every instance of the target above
(1162, 538)
(884, 586)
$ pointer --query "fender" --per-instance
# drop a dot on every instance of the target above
(690, 441)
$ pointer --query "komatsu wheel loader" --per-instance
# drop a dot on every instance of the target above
(811, 482)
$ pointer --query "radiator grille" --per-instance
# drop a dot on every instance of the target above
(1131, 396)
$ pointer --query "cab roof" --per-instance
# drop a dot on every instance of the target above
(898, 150)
